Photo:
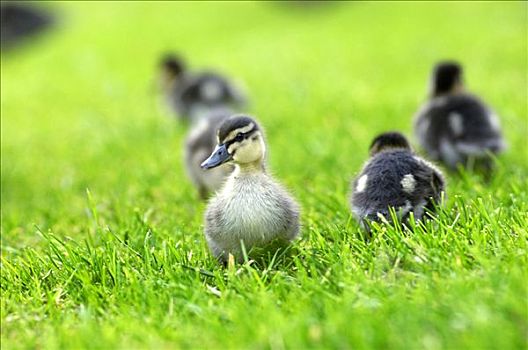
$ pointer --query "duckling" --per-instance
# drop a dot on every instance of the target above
(454, 126)
(199, 144)
(193, 95)
(395, 177)
(251, 210)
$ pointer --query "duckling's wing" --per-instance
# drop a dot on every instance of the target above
(430, 186)
(291, 212)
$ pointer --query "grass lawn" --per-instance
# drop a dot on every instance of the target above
(102, 243)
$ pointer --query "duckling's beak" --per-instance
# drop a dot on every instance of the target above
(219, 156)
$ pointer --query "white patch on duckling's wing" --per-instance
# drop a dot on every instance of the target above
(211, 90)
(455, 122)
(362, 183)
(408, 183)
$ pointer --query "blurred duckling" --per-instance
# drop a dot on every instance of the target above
(251, 209)
(454, 126)
(395, 177)
(21, 20)
(205, 100)
(192, 96)
(199, 144)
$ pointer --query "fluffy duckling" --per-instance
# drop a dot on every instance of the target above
(194, 95)
(454, 126)
(251, 209)
(395, 177)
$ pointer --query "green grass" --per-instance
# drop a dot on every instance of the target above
(102, 243)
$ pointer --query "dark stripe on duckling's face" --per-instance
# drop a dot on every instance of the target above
(239, 135)
(225, 151)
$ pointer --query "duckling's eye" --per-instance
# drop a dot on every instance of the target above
(239, 137)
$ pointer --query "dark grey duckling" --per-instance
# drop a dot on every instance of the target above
(395, 177)
(455, 127)
(251, 210)
(199, 144)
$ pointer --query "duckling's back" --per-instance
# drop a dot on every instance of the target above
(451, 128)
(399, 179)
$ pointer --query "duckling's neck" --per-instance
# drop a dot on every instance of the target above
(457, 89)
(250, 168)
(387, 149)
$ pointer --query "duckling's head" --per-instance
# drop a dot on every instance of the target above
(387, 141)
(240, 140)
(172, 67)
(447, 78)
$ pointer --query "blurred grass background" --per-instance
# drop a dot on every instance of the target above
(80, 110)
